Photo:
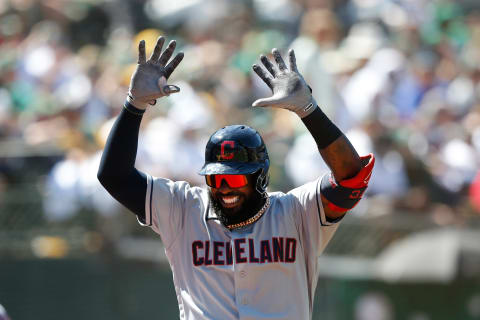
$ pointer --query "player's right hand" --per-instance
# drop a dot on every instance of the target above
(149, 81)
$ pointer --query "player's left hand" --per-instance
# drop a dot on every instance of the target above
(290, 91)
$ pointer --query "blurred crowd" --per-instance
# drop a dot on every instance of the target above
(400, 77)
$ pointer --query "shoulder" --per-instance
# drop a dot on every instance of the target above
(281, 201)
(310, 189)
(177, 188)
(307, 191)
(278, 197)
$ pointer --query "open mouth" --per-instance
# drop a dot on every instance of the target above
(230, 201)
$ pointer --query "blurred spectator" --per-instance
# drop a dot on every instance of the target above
(475, 193)
(72, 185)
(319, 36)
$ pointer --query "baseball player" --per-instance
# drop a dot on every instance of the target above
(236, 250)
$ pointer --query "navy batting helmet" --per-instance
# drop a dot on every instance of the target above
(237, 149)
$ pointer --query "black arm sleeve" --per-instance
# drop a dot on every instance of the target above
(117, 171)
(321, 128)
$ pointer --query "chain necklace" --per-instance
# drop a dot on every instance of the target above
(251, 219)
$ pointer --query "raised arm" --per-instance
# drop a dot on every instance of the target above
(350, 173)
(117, 172)
(344, 187)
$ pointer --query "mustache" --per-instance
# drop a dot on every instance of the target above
(231, 193)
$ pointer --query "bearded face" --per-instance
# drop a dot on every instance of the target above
(234, 205)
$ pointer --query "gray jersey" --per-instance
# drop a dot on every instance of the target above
(265, 270)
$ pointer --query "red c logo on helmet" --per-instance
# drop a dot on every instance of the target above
(223, 155)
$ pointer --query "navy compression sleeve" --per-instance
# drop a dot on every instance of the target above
(117, 171)
(321, 128)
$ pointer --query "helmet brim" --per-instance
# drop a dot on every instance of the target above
(229, 168)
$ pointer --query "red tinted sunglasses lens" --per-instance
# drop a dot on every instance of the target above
(233, 180)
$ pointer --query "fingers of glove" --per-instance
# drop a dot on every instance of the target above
(172, 65)
(167, 54)
(141, 52)
(263, 75)
(158, 49)
(279, 60)
(292, 60)
(268, 65)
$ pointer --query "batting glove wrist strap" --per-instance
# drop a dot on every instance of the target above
(141, 105)
(344, 195)
(132, 109)
(305, 110)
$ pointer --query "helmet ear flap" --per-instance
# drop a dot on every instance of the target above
(262, 181)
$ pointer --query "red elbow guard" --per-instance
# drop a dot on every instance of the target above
(344, 195)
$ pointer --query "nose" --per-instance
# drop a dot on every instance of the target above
(224, 187)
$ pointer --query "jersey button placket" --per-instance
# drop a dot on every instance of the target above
(242, 285)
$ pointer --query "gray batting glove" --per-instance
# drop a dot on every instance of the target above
(149, 81)
(290, 91)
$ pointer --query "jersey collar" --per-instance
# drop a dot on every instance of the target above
(211, 215)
